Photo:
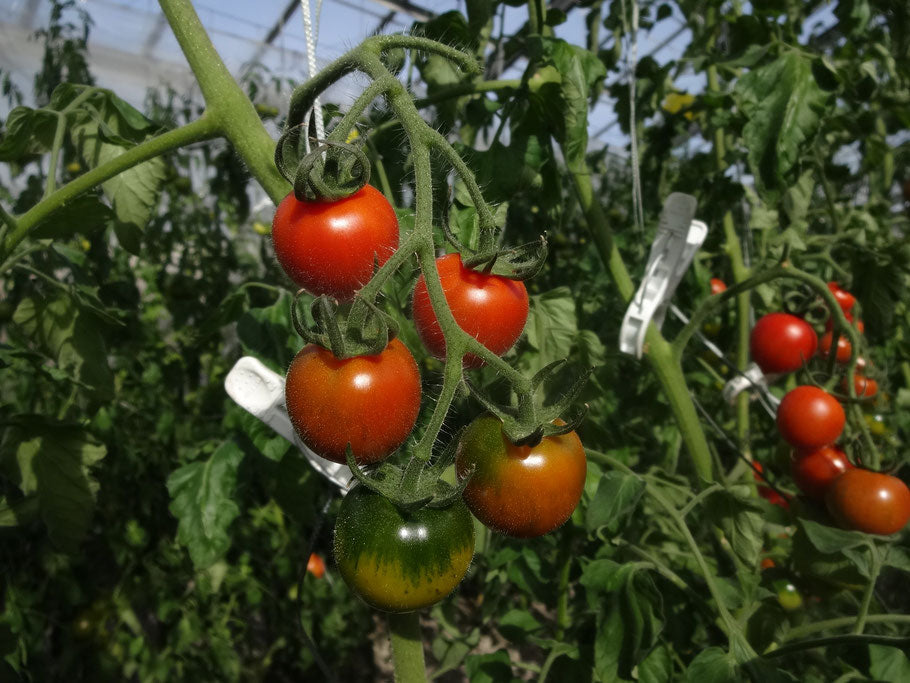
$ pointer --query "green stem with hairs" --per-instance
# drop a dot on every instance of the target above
(407, 648)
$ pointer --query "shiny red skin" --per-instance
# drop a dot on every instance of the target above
(809, 418)
(491, 308)
(522, 491)
(717, 286)
(781, 342)
(332, 247)
(864, 386)
(370, 401)
(844, 347)
(844, 298)
(815, 471)
(872, 502)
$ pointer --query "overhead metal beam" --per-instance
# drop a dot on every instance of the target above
(409, 8)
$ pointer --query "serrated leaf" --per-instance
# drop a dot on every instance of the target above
(617, 496)
(741, 520)
(783, 105)
(552, 325)
(28, 131)
(52, 462)
(202, 501)
(712, 665)
(829, 539)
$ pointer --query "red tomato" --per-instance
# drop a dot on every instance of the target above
(332, 247)
(844, 347)
(491, 308)
(858, 324)
(864, 386)
(767, 563)
(809, 418)
(767, 492)
(872, 502)
(717, 286)
(814, 472)
(844, 298)
(781, 342)
(316, 566)
(371, 402)
(522, 491)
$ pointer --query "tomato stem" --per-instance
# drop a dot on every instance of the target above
(407, 648)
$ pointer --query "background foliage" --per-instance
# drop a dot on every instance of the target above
(154, 531)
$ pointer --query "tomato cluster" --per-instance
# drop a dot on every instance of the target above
(399, 557)
(811, 420)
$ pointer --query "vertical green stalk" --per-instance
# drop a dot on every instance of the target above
(733, 248)
(228, 104)
(407, 648)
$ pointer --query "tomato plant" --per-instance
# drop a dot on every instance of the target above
(522, 491)
(873, 502)
(397, 560)
(814, 472)
(491, 308)
(331, 247)
(809, 418)
(369, 402)
(781, 342)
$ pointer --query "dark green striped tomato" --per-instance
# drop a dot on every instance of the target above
(400, 561)
(522, 491)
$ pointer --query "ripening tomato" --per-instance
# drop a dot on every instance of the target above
(717, 286)
(332, 247)
(815, 471)
(522, 491)
(398, 560)
(767, 563)
(858, 324)
(788, 596)
(491, 308)
(371, 402)
(864, 386)
(872, 502)
(781, 342)
(844, 298)
(316, 566)
(844, 347)
(809, 418)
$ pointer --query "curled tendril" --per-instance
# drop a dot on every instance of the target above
(331, 171)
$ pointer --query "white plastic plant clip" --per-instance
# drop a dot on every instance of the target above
(678, 238)
(751, 378)
(260, 392)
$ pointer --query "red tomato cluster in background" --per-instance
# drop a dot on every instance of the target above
(811, 420)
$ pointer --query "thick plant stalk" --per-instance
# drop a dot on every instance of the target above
(407, 648)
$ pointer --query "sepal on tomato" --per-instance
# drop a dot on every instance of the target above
(518, 263)
(527, 423)
(358, 329)
(331, 171)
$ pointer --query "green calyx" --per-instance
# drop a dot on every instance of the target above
(331, 171)
(517, 263)
(414, 486)
(355, 329)
(528, 422)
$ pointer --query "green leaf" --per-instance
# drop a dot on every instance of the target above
(84, 215)
(783, 105)
(70, 336)
(492, 668)
(105, 127)
(741, 519)
(565, 103)
(617, 496)
(28, 131)
(888, 664)
(657, 667)
(517, 624)
(829, 539)
(52, 462)
(552, 325)
(712, 665)
(201, 499)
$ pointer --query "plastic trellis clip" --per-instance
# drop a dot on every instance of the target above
(260, 392)
(678, 238)
(751, 378)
